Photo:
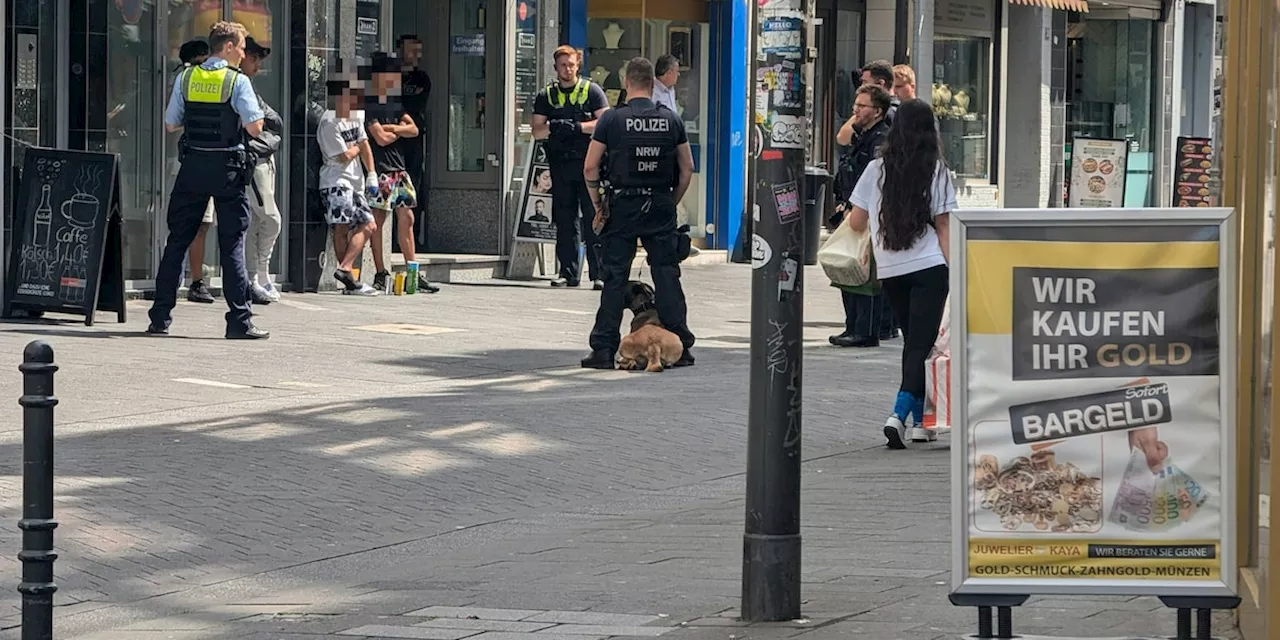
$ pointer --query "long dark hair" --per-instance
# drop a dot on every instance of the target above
(911, 153)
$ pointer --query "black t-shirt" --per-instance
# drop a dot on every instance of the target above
(558, 150)
(390, 158)
(415, 88)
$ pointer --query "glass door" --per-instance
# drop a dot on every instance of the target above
(133, 111)
(531, 37)
(469, 153)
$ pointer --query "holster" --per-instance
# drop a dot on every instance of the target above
(243, 162)
(684, 244)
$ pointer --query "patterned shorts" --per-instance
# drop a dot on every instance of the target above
(345, 206)
(395, 190)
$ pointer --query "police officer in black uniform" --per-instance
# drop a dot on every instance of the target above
(649, 166)
(215, 106)
(565, 114)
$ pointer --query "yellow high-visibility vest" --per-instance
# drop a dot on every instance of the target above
(577, 97)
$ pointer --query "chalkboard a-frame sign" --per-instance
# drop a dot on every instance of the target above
(67, 249)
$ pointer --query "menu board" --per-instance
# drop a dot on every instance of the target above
(1195, 161)
(1097, 173)
(67, 255)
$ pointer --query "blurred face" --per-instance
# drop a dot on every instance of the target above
(904, 90)
(251, 65)
(538, 206)
(868, 79)
(865, 113)
(671, 77)
(411, 52)
(386, 84)
(567, 69)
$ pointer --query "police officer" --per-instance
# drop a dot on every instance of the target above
(215, 106)
(649, 169)
(565, 115)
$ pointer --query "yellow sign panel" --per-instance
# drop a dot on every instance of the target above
(1094, 559)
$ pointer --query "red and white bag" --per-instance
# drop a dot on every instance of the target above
(937, 376)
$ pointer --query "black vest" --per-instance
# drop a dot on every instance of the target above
(644, 153)
(569, 105)
(209, 121)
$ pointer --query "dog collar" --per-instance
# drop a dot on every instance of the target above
(648, 306)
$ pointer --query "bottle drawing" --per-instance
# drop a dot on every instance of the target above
(44, 218)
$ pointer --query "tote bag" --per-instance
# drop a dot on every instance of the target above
(846, 257)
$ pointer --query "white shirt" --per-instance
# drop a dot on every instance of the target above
(925, 252)
(662, 94)
(335, 135)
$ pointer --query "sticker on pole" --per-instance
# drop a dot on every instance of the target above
(761, 252)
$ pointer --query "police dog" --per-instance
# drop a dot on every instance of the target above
(649, 346)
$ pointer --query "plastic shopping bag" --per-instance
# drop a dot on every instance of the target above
(937, 376)
(846, 257)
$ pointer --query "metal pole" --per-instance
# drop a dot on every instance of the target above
(37, 523)
(771, 544)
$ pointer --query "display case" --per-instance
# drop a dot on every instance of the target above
(961, 102)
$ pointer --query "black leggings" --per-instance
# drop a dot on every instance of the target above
(917, 300)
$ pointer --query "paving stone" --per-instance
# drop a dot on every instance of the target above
(485, 625)
(413, 633)
(479, 613)
(606, 630)
(541, 635)
(592, 618)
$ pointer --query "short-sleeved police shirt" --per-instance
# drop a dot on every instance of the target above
(596, 100)
(612, 132)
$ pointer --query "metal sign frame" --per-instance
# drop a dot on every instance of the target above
(961, 468)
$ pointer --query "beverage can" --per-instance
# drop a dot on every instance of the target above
(399, 284)
(411, 278)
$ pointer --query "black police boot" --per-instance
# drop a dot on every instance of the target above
(838, 338)
(853, 340)
(686, 360)
(157, 330)
(599, 359)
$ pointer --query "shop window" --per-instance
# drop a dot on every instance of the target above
(961, 101)
(465, 137)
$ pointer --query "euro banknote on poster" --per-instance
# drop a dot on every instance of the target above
(1091, 385)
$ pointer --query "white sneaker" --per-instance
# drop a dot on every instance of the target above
(272, 292)
(362, 290)
(895, 432)
(920, 434)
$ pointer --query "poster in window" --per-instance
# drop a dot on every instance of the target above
(1195, 162)
(1097, 173)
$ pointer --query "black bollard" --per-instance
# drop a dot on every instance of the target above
(37, 522)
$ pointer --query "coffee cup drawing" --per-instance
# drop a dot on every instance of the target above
(81, 210)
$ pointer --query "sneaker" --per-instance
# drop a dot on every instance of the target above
(273, 294)
(597, 285)
(599, 359)
(895, 433)
(197, 292)
(380, 281)
(259, 295)
(920, 434)
(425, 286)
(157, 330)
(361, 289)
(560, 283)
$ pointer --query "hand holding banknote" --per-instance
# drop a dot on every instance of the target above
(1148, 440)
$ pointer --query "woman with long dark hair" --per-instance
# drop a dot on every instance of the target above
(906, 197)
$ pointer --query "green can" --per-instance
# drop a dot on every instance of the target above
(411, 278)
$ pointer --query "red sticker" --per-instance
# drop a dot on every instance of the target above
(770, 155)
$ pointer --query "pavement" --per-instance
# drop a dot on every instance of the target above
(438, 467)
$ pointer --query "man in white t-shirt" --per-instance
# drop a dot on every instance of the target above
(343, 184)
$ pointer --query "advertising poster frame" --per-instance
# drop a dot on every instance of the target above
(1081, 174)
(1073, 226)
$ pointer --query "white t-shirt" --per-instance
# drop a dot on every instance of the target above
(335, 135)
(925, 252)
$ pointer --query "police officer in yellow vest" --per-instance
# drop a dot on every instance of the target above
(215, 107)
(564, 117)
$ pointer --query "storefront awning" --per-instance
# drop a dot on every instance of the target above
(1081, 6)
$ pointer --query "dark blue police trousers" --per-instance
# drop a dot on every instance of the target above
(867, 316)
(572, 213)
(652, 219)
(205, 175)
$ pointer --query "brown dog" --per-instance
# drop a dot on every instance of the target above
(649, 346)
